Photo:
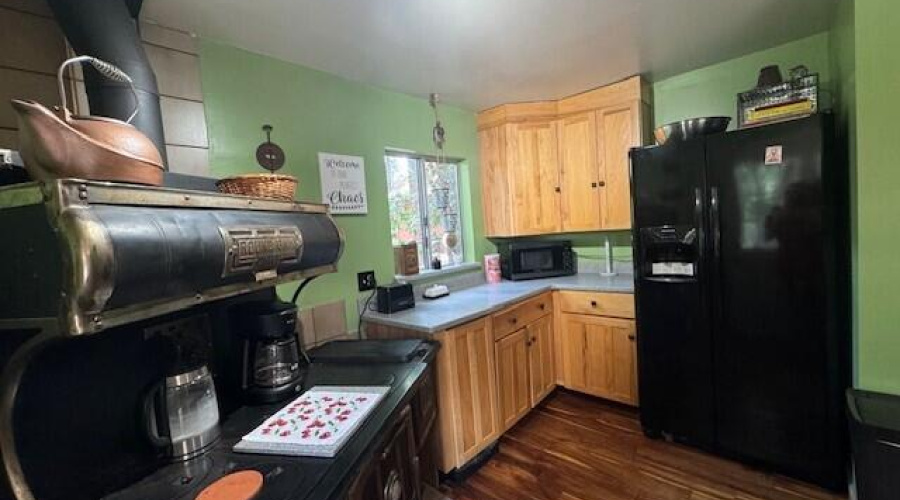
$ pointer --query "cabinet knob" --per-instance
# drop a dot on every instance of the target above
(542, 306)
(601, 183)
(557, 189)
(593, 184)
(392, 488)
(593, 303)
(533, 340)
(513, 320)
(631, 337)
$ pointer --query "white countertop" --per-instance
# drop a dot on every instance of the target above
(462, 306)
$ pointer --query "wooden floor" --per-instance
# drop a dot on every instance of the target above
(575, 447)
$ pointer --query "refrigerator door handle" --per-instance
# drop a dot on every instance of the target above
(714, 219)
(698, 223)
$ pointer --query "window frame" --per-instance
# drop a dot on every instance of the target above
(420, 160)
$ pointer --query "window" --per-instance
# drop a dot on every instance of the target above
(423, 195)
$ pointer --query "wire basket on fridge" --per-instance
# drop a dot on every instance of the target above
(792, 99)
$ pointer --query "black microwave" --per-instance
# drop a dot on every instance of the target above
(525, 260)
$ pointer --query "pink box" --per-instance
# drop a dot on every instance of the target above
(492, 268)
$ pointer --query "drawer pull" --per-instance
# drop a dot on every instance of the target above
(631, 337)
(513, 320)
(542, 306)
(593, 303)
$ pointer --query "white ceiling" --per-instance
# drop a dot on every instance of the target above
(479, 53)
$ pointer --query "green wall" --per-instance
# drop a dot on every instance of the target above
(877, 217)
(843, 64)
(316, 112)
(712, 91)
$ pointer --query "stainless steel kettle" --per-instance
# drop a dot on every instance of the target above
(181, 414)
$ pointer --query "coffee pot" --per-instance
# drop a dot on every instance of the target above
(272, 363)
(181, 414)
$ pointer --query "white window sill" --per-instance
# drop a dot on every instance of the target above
(429, 274)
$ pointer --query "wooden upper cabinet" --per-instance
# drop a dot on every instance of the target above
(512, 377)
(618, 130)
(495, 181)
(534, 171)
(579, 173)
(562, 166)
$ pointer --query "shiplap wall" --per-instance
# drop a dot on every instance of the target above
(33, 47)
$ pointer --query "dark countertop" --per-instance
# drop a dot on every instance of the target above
(290, 478)
(462, 306)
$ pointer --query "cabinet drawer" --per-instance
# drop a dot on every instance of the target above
(617, 305)
(520, 315)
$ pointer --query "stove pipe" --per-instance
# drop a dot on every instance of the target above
(108, 30)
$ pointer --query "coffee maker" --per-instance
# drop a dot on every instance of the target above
(272, 362)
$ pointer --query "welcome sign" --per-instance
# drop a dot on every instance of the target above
(343, 181)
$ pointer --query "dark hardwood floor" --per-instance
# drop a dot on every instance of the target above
(575, 447)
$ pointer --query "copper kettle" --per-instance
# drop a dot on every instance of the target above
(57, 144)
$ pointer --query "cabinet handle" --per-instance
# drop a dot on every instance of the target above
(631, 337)
(601, 183)
(593, 303)
(557, 189)
(392, 487)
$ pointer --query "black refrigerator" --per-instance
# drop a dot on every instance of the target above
(741, 251)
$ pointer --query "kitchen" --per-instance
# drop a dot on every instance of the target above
(423, 123)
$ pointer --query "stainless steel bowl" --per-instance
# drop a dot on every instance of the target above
(689, 129)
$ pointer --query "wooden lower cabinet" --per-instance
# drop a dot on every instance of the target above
(600, 356)
(393, 474)
(512, 377)
(525, 374)
(468, 415)
(540, 359)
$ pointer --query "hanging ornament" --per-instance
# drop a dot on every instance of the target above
(437, 133)
(269, 155)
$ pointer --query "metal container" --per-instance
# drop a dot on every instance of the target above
(692, 128)
(87, 256)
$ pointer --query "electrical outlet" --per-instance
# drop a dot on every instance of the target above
(365, 280)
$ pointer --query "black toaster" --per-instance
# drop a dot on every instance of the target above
(394, 297)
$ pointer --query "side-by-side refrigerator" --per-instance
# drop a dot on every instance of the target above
(741, 247)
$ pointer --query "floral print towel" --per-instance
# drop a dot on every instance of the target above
(317, 423)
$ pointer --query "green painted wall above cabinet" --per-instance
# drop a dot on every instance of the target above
(316, 112)
(712, 91)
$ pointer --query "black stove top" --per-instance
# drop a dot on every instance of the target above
(282, 479)
(286, 478)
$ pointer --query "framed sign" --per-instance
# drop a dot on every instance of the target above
(343, 183)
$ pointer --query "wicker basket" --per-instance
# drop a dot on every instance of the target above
(274, 186)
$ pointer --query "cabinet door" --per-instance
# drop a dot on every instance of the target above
(512, 377)
(534, 167)
(540, 359)
(398, 463)
(495, 193)
(579, 173)
(600, 356)
(466, 372)
(618, 130)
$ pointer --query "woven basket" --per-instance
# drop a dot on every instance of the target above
(274, 186)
